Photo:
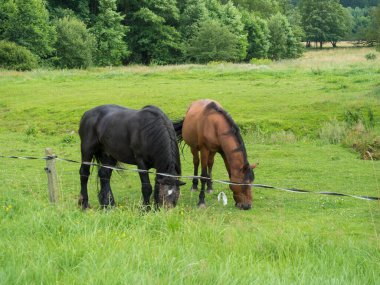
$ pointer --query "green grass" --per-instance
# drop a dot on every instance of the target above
(285, 239)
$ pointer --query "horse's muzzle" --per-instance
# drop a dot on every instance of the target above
(243, 206)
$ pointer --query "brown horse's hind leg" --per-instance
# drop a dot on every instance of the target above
(210, 164)
(105, 195)
(195, 153)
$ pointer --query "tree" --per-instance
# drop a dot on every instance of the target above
(109, 32)
(26, 22)
(214, 42)
(153, 36)
(283, 43)
(74, 44)
(323, 20)
(258, 36)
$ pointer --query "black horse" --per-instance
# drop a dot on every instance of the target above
(145, 138)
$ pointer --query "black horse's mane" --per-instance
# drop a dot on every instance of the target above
(164, 146)
(235, 130)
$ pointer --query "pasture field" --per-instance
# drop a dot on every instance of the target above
(285, 239)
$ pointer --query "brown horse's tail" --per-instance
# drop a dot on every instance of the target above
(178, 129)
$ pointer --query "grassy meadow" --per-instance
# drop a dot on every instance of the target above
(285, 239)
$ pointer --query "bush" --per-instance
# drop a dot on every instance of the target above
(214, 42)
(333, 132)
(13, 56)
(283, 137)
(75, 44)
(363, 141)
(370, 56)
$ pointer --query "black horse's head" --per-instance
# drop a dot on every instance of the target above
(167, 191)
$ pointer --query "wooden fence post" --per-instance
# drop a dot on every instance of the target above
(52, 176)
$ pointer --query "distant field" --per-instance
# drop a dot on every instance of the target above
(285, 239)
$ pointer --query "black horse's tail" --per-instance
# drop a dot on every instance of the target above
(178, 129)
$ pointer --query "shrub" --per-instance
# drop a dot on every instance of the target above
(214, 42)
(13, 56)
(260, 61)
(370, 56)
(75, 44)
(333, 132)
(365, 142)
(284, 137)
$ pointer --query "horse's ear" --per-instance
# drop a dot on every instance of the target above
(181, 183)
(254, 165)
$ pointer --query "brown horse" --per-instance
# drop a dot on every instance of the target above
(207, 128)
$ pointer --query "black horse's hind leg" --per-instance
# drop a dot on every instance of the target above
(84, 173)
(87, 152)
(210, 164)
(195, 153)
(105, 195)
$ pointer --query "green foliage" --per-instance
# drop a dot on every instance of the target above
(13, 56)
(153, 37)
(258, 36)
(109, 32)
(75, 45)
(26, 22)
(361, 20)
(373, 33)
(194, 12)
(262, 8)
(283, 43)
(214, 42)
(81, 8)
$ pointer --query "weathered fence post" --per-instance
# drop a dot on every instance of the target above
(52, 175)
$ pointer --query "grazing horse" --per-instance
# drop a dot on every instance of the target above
(145, 138)
(207, 128)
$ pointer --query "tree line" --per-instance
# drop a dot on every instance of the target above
(82, 33)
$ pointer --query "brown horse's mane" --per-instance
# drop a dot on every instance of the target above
(235, 130)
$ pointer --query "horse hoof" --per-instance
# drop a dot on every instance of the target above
(209, 191)
(201, 205)
(194, 189)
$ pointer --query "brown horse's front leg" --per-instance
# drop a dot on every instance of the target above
(210, 164)
(195, 153)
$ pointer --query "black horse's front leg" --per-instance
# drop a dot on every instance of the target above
(146, 187)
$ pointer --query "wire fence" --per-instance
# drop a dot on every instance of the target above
(65, 171)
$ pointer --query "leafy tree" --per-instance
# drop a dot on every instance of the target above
(324, 20)
(109, 32)
(74, 44)
(262, 8)
(194, 12)
(153, 36)
(231, 17)
(26, 22)
(283, 43)
(81, 8)
(214, 42)
(258, 36)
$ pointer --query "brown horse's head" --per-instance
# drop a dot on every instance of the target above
(243, 193)
(167, 192)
